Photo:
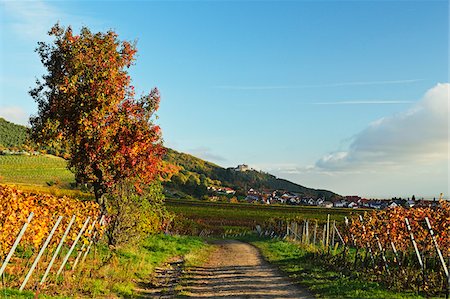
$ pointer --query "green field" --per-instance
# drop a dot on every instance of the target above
(40, 170)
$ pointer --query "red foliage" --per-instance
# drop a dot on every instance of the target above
(87, 105)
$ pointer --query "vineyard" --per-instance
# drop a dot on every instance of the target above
(404, 249)
(43, 236)
(35, 170)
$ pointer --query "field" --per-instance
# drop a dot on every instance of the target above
(215, 218)
(37, 173)
(43, 170)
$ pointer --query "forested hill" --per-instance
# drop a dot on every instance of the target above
(195, 171)
(12, 136)
(191, 175)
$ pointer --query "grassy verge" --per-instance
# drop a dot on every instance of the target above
(16, 294)
(114, 274)
(301, 264)
(128, 266)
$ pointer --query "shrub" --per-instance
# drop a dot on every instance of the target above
(133, 214)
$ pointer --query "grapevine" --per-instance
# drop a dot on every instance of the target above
(15, 206)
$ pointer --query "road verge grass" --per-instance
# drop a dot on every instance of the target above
(116, 273)
(304, 265)
(126, 267)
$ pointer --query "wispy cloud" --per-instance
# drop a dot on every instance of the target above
(366, 102)
(206, 154)
(336, 84)
(31, 19)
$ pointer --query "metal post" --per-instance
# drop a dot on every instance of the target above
(84, 245)
(413, 241)
(307, 232)
(386, 266)
(394, 249)
(436, 246)
(351, 235)
(328, 234)
(419, 257)
(38, 257)
(295, 231)
(315, 233)
(339, 234)
(324, 235)
(369, 247)
(92, 239)
(73, 246)
(55, 254)
(333, 234)
(13, 248)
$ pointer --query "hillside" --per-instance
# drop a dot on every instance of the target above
(197, 171)
(192, 176)
(12, 136)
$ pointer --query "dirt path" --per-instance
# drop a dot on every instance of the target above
(237, 270)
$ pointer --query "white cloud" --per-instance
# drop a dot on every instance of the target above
(14, 114)
(398, 155)
(417, 136)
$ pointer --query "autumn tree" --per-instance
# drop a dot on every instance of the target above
(87, 105)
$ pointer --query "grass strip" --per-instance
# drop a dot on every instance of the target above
(301, 264)
(116, 273)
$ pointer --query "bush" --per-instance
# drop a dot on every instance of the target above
(133, 214)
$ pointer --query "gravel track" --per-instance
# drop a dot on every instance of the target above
(237, 270)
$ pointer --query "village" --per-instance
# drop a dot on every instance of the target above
(273, 197)
(352, 201)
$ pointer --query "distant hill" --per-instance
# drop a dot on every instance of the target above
(190, 175)
(203, 173)
(12, 136)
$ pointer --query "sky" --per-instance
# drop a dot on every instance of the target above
(349, 96)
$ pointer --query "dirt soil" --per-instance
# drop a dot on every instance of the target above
(237, 270)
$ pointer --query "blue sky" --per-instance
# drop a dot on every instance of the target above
(328, 94)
